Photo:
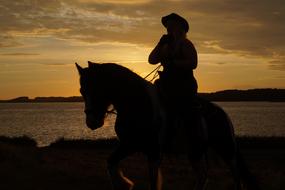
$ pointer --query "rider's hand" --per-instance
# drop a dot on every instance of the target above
(168, 62)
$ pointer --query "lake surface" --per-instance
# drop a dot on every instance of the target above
(47, 122)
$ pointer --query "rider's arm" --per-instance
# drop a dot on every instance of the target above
(159, 53)
(155, 56)
(189, 59)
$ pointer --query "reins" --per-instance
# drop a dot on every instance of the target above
(155, 71)
(155, 74)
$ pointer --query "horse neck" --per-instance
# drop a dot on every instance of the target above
(128, 95)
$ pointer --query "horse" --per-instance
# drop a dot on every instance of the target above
(140, 124)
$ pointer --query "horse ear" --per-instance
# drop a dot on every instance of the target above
(92, 64)
(79, 68)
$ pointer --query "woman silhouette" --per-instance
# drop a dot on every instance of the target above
(177, 85)
(178, 57)
(178, 90)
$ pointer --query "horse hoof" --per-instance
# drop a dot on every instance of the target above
(129, 184)
(123, 184)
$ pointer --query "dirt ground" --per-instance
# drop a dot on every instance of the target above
(75, 165)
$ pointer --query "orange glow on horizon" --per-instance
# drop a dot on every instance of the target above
(237, 49)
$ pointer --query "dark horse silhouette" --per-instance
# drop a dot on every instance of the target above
(138, 124)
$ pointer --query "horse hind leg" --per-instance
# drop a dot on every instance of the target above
(230, 157)
(119, 181)
(245, 176)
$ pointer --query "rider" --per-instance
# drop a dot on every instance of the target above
(178, 57)
(177, 85)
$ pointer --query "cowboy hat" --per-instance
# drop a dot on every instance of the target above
(176, 17)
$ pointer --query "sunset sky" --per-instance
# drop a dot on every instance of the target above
(240, 44)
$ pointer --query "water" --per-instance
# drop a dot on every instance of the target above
(47, 122)
(257, 118)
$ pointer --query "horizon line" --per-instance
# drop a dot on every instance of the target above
(58, 96)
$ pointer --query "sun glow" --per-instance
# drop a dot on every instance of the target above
(41, 40)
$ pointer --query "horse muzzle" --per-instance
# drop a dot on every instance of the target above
(93, 123)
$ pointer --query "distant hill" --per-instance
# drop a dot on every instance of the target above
(275, 95)
(25, 99)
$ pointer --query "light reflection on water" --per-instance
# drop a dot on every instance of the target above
(257, 118)
(46, 122)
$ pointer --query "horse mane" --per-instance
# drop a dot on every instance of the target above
(118, 72)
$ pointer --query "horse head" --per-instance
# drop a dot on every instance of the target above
(93, 91)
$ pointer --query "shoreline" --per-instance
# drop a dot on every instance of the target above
(44, 102)
(243, 142)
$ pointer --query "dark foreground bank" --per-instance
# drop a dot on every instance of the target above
(81, 164)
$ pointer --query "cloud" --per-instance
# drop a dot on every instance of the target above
(115, 1)
(56, 64)
(278, 64)
(7, 41)
(248, 28)
(19, 54)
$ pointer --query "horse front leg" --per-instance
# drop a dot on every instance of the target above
(198, 144)
(119, 181)
(236, 174)
(155, 175)
(154, 172)
(200, 169)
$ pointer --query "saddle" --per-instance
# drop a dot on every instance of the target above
(163, 89)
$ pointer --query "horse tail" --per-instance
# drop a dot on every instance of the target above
(247, 178)
(216, 115)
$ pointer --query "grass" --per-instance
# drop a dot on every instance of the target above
(81, 143)
(244, 142)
